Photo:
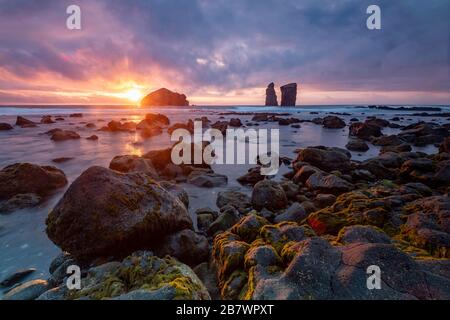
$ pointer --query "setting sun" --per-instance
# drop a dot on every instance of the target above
(133, 95)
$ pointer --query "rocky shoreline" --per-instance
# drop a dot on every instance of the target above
(310, 235)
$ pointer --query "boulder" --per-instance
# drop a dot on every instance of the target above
(357, 145)
(186, 245)
(270, 195)
(296, 213)
(333, 122)
(131, 163)
(204, 179)
(236, 199)
(252, 177)
(28, 291)
(5, 126)
(362, 234)
(164, 97)
(107, 213)
(141, 276)
(271, 96)
(365, 130)
(330, 183)
(63, 135)
(27, 178)
(16, 277)
(23, 122)
(47, 120)
(326, 159)
(445, 146)
(289, 95)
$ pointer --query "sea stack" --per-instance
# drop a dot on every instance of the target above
(164, 97)
(289, 95)
(271, 96)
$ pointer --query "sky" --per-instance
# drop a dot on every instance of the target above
(225, 52)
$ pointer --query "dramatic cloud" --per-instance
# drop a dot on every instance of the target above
(225, 51)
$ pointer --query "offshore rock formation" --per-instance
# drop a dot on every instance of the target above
(164, 97)
(289, 95)
(271, 96)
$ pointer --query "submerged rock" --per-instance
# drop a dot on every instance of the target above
(333, 122)
(16, 277)
(107, 213)
(5, 126)
(28, 291)
(20, 181)
(63, 135)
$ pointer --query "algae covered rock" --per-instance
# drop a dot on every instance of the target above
(107, 213)
(141, 276)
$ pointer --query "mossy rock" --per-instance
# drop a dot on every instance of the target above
(143, 273)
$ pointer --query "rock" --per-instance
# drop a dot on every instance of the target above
(186, 126)
(364, 131)
(105, 213)
(47, 120)
(5, 126)
(289, 95)
(28, 291)
(357, 145)
(129, 163)
(324, 200)
(377, 122)
(236, 199)
(76, 115)
(235, 122)
(117, 126)
(260, 117)
(62, 159)
(268, 194)
(383, 141)
(207, 179)
(154, 119)
(164, 97)
(205, 217)
(92, 138)
(149, 132)
(271, 96)
(333, 122)
(328, 184)
(27, 178)
(325, 159)
(252, 177)
(362, 234)
(442, 174)
(317, 270)
(23, 122)
(141, 276)
(63, 135)
(428, 225)
(185, 245)
(222, 126)
(90, 125)
(223, 222)
(445, 146)
(18, 202)
(57, 293)
(404, 147)
(206, 272)
(176, 190)
(16, 277)
(295, 213)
